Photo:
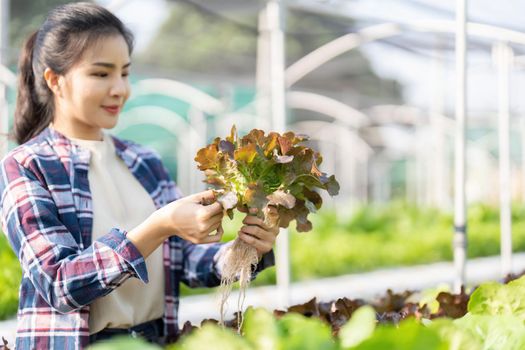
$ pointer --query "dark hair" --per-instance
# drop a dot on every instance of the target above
(66, 33)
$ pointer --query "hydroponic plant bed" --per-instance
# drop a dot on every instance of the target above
(491, 316)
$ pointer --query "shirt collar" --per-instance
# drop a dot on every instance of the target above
(63, 145)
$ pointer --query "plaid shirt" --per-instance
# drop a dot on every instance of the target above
(47, 214)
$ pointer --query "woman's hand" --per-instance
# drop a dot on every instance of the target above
(258, 234)
(189, 219)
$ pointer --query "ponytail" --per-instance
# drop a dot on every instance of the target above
(32, 115)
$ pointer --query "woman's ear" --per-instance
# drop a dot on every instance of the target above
(53, 81)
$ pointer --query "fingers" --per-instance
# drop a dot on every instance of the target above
(259, 233)
(254, 220)
(212, 210)
(271, 215)
(214, 223)
(220, 230)
(272, 209)
(261, 246)
(212, 235)
(211, 239)
(198, 197)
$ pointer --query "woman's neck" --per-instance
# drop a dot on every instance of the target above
(78, 131)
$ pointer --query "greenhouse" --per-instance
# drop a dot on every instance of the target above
(262, 174)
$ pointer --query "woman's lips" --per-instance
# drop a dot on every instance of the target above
(112, 109)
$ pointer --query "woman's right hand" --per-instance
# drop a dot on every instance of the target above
(191, 220)
(187, 218)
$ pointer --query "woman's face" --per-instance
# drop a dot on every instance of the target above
(93, 92)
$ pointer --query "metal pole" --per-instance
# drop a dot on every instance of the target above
(277, 66)
(275, 19)
(460, 224)
(4, 47)
(262, 70)
(503, 59)
(440, 165)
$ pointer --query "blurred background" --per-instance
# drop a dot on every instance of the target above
(391, 100)
(371, 82)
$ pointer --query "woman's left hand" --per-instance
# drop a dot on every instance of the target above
(257, 234)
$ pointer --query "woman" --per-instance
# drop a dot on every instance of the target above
(101, 232)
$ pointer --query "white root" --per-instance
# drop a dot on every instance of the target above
(239, 261)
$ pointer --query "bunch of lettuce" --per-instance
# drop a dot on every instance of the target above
(259, 170)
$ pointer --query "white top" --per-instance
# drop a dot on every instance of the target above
(119, 200)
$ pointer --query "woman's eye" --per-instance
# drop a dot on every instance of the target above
(100, 74)
(125, 74)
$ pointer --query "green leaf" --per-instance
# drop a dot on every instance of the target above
(518, 283)
(124, 343)
(494, 332)
(309, 181)
(211, 336)
(409, 335)
(360, 327)
(459, 338)
(260, 329)
(300, 333)
(496, 299)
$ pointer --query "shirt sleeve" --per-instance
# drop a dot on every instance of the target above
(203, 262)
(67, 277)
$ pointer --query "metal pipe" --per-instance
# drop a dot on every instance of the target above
(262, 74)
(345, 43)
(437, 103)
(342, 113)
(460, 210)
(275, 20)
(503, 59)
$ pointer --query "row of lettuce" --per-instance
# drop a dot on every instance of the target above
(395, 234)
(372, 237)
(495, 320)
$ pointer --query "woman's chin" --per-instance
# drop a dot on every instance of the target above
(110, 124)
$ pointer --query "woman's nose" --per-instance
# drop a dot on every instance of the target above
(120, 87)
